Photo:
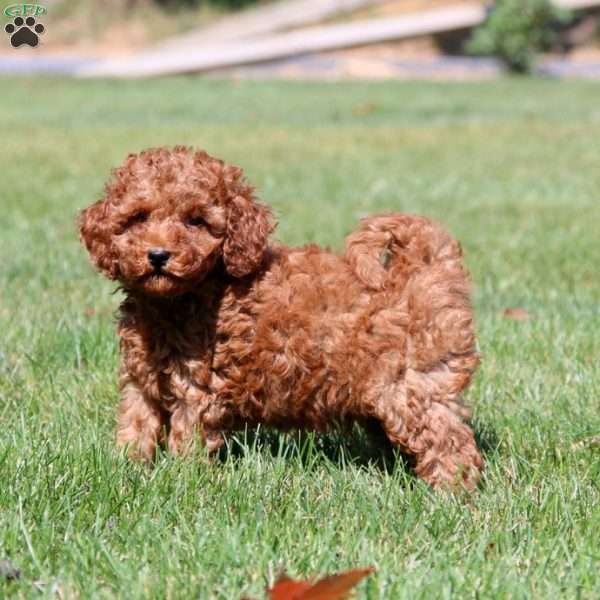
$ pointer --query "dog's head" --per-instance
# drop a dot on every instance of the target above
(169, 216)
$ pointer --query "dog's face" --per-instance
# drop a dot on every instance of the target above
(169, 216)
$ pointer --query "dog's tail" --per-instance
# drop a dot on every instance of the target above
(387, 250)
(419, 269)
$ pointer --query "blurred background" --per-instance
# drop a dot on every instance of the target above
(317, 39)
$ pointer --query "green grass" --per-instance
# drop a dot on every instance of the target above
(512, 167)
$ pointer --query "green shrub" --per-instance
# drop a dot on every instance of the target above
(517, 30)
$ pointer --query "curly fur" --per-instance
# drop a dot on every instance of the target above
(234, 330)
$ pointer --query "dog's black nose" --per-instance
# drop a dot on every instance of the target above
(158, 257)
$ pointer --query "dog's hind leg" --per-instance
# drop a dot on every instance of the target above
(422, 412)
(425, 420)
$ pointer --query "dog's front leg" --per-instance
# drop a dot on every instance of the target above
(183, 426)
(140, 422)
(195, 419)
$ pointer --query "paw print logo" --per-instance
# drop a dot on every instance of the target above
(24, 31)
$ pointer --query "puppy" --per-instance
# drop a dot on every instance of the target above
(221, 328)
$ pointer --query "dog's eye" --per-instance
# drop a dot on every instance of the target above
(195, 221)
(138, 217)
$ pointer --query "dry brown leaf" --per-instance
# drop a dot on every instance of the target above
(288, 589)
(361, 110)
(334, 587)
(517, 314)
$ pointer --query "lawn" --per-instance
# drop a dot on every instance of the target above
(512, 167)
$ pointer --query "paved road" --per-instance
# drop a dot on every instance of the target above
(43, 65)
(326, 67)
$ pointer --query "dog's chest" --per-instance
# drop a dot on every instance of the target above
(183, 373)
(171, 361)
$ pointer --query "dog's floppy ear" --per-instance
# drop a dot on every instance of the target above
(247, 232)
(96, 232)
(249, 224)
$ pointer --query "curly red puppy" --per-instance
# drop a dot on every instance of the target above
(219, 328)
